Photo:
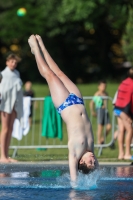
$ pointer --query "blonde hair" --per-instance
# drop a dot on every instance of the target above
(13, 56)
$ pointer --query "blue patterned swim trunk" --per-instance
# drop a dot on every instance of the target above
(71, 100)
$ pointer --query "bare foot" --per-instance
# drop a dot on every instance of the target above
(128, 157)
(121, 157)
(33, 44)
(12, 160)
(4, 160)
(40, 41)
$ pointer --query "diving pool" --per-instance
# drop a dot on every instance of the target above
(52, 182)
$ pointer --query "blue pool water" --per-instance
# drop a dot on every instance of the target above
(40, 182)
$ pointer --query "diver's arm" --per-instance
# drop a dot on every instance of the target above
(73, 167)
(91, 146)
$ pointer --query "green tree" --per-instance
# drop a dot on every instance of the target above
(82, 36)
(128, 38)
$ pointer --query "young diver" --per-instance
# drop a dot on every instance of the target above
(69, 103)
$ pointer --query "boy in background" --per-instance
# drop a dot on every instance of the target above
(11, 106)
(100, 104)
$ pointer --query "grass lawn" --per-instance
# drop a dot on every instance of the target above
(62, 154)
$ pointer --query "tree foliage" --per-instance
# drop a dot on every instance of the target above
(128, 38)
(82, 36)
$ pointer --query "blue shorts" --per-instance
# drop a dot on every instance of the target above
(117, 112)
(71, 100)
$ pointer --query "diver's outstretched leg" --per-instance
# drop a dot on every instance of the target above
(58, 91)
(71, 87)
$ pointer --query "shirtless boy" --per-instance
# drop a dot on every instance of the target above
(69, 103)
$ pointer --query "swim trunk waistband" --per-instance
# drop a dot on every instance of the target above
(117, 112)
(72, 99)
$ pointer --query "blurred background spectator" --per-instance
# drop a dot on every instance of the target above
(98, 107)
(28, 92)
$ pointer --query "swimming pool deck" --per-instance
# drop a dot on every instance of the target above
(47, 165)
(22, 163)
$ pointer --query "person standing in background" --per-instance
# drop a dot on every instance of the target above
(28, 92)
(101, 112)
(11, 106)
(123, 109)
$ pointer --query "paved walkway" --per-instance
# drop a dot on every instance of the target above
(65, 162)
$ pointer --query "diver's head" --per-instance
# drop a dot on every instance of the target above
(87, 163)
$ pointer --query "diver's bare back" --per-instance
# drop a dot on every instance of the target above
(80, 136)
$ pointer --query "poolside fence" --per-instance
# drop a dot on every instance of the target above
(34, 138)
